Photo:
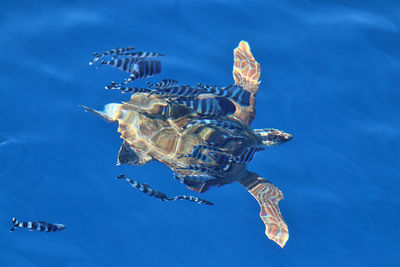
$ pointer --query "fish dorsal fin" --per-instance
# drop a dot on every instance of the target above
(128, 155)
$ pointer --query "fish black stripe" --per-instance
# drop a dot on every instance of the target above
(119, 63)
(126, 62)
(152, 70)
(148, 71)
(141, 69)
(204, 106)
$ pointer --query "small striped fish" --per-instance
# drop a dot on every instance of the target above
(138, 68)
(179, 91)
(244, 157)
(39, 226)
(224, 140)
(116, 51)
(247, 154)
(162, 84)
(224, 160)
(228, 125)
(197, 153)
(204, 169)
(144, 68)
(139, 54)
(167, 92)
(210, 107)
(145, 188)
(234, 92)
(124, 89)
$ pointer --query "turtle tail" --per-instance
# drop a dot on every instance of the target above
(268, 196)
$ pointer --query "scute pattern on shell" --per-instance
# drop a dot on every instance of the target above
(154, 135)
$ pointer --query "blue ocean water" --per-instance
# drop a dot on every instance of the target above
(330, 76)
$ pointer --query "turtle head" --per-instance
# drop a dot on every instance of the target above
(272, 137)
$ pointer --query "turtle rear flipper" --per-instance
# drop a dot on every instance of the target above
(268, 196)
(128, 155)
(110, 111)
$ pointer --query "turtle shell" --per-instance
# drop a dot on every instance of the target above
(151, 134)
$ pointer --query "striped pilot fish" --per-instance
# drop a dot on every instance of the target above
(125, 89)
(224, 124)
(244, 157)
(161, 89)
(198, 152)
(234, 92)
(208, 107)
(145, 188)
(177, 91)
(138, 64)
(115, 51)
(124, 51)
(138, 68)
(165, 83)
(205, 169)
(39, 226)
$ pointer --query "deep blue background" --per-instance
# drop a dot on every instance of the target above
(330, 76)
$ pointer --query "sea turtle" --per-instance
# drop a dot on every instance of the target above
(203, 151)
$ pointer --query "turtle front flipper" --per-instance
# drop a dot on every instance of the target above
(268, 196)
(246, 72)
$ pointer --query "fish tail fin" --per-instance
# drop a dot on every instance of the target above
(15, 223)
